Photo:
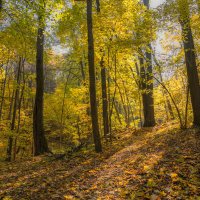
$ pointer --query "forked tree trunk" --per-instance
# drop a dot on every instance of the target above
(92, 80)
(40, 143)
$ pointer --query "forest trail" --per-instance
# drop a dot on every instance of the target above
(159, 163)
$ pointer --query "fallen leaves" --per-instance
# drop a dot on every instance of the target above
(153, 165)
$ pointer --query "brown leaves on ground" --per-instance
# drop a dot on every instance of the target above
(161, 163)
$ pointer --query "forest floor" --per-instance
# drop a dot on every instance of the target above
(159, 163)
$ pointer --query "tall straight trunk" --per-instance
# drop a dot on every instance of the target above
(104, 99)
(40, 143)
(16, 99)
(148, 101)
(92, 80)
(150, 119)
(104, 90)
(190, 59)
(147, 94)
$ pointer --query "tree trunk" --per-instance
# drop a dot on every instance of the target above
(10, 139)
(92, 80)
(40, 143)
(190, 59)
(3, 91)
(147, 93)
(104, 99)
(1, 5)
(148, 101)
(19, 113)
(168, 104)
(98, 6)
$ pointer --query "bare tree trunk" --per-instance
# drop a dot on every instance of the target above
(104, 99)
(40, 143)
(92, 80)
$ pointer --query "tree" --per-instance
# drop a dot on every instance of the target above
(16, 100)
(190, 59)
(104, 99)
(92, 80)
(147, 86)
(40, 143)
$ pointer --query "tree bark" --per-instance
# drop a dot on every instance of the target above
(104, 99)
(40, 143)
(92, 79)
(148, 101)
(147, 94)
(1, 5)
(98, 6)
(190, 59)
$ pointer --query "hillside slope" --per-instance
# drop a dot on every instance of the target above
(159, 163)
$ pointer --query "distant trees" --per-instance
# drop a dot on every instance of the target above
(15, 108)
(116, 76)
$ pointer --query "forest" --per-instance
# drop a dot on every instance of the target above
(99, 99)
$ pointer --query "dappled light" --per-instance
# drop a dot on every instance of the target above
(153, 166)
(100, 100)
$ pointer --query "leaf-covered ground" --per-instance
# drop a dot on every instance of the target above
(160, 163)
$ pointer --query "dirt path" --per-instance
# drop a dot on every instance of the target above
(156, 164)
